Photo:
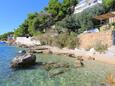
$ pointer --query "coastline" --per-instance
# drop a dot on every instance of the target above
(76, 53)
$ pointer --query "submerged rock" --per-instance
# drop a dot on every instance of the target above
(56, 72)
(52, 65)
(25, 60)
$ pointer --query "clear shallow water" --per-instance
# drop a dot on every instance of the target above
(93, 72)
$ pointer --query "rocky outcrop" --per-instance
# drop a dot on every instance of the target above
(22, 61)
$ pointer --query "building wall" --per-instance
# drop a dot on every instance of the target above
(84, 4)
(112, 19)
(88, 40)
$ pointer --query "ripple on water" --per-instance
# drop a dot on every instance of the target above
(92, 72)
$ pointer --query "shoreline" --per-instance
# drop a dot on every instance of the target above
(77, 54)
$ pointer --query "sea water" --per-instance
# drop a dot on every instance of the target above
(92, 72)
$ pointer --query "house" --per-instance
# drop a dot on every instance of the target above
(84, 4)
(106, 20)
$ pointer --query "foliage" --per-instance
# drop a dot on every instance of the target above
(30, 19)
(67, 40)
(68, 6)
(5, 35)
(39, 22)
(45, 39)
(70, 23)
(34, 24)
(60, 9)
(53, 7)
(82, 21)
(100, 47)
(22, 30)
(62, 40)
(86, 19)
(113, 23)
(108, 4)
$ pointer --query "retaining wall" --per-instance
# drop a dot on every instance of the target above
(88, 40)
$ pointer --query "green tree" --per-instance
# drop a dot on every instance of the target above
(5, 35)
(68, 6)
(86, 19)
(30, 20)
(53, 7)
(109, 4)
(41, 22)
(22, 30)
(69, 23)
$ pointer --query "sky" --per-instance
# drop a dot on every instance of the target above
(14, 12)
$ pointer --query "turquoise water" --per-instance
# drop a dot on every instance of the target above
(93, 72)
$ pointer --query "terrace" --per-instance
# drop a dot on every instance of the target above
(106, 21)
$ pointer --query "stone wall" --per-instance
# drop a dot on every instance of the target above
(88, 40)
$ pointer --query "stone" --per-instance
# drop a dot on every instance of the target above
(55, 73)
(111, 79)
(22, 52)
(53, 65)
(23, 61)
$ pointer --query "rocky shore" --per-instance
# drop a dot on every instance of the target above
(79, 55)
(74, 53)
(57, 51)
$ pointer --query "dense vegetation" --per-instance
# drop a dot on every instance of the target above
(39, 22)
(62, 40)
(59, 13)
(5, 35)
(85, 20)
(82, 21)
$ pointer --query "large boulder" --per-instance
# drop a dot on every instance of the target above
(22, 61)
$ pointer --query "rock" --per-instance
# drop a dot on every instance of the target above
(91, 58)
(23, 61)
(22, 52)
(72, 55)
(22, 45)
(47, 51)
(37, 51)
(91, 52)
(111, 79)
(104, 84)
(52, 65)
(79, 63)
(55, 73)
(80, 58)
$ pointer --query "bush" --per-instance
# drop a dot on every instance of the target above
(61, 41)
(67, 40)
(100, 47)
(45, 39)
(113, 23)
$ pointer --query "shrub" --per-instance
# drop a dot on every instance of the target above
(67, 40)
(100, 47)
(113, 23)
(61, 41)
(45, 39)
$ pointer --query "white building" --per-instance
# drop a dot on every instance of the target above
(84, 4)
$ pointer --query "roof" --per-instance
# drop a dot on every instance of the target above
(105, 16)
